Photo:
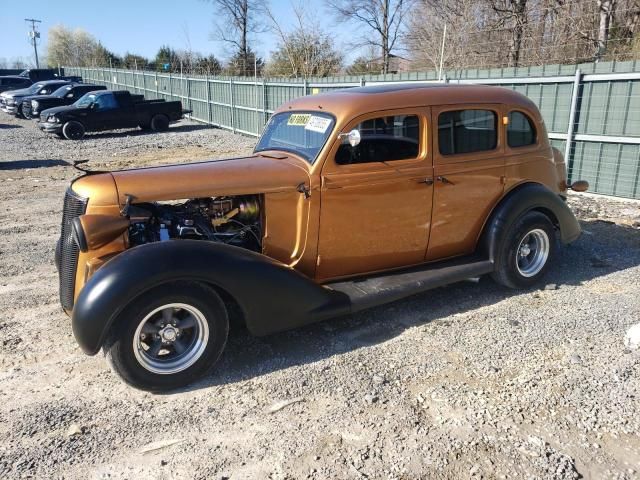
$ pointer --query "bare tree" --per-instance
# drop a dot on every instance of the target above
(383, 18)
(512, 14)
(238, 19)
(304, 51)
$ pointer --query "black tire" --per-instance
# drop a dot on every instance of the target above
(27, 115)
(159, 123)
(73, 130)
(60, 135)
(19, 113)
(513, 268)
(145, 127)
(119, 347)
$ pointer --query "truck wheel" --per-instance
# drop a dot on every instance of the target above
(528, 249)
(159, 123)
(19, 113)
(60, 135)
(26, 115)
(168, 337)
(73, 130)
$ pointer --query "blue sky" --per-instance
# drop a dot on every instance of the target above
(137, 26)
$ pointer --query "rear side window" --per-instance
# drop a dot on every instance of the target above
(394, 137)
(520, 130)
(467, 131)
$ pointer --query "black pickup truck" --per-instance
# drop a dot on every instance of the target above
(65, 95)
(13, 82)
(109, 110)
(11, 102)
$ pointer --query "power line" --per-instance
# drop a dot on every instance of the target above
(34, 35)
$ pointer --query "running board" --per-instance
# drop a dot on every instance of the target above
(385, 288)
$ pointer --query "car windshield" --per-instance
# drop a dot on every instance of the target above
(35, 87)
(62, 91)
(303, 133)
(85, 100)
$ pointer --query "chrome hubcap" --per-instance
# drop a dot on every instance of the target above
(533, 252)
(171, 338)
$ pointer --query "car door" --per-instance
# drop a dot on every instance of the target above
(376, 197)
(469, 169)
(104, 114)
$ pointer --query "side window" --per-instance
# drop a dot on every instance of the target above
(520, 130)
(467, 131)
(106, 102)
(395, 137)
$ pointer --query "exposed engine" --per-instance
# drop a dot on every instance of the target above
(231, 220)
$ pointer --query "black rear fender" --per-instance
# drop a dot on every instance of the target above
(522, 199)
(272, 296)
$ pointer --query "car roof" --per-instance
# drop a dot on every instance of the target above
(16, 77)
(351, 102)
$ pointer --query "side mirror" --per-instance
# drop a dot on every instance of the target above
(352, 138)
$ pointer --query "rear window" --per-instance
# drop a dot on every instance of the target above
(520, 130)
(467, 131)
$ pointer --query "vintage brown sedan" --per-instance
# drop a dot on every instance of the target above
(351, 199)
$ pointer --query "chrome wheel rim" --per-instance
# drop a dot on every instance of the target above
(171, 338)
(532, 253)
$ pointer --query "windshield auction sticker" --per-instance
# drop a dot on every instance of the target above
(298, 119)
(318, 124)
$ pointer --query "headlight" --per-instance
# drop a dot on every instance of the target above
(10, 101)
(53, 119)
(34, 104)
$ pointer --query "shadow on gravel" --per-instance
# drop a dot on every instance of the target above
(7, 127)
(138, 132)
(20, 164)
(603, 248)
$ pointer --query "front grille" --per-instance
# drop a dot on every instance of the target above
(74, 206)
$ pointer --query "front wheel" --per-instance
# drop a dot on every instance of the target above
(528, 249)
(73, 130)
(168, 337)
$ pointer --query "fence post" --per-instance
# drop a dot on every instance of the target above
(572, 120)
(189, 106)
(362, 82)
(156, 80)
(233, 107)
(209, 118)
(264, 101)
(170, 87)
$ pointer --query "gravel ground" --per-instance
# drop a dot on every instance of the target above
(466, 381)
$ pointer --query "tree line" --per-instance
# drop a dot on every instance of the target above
(390, 35)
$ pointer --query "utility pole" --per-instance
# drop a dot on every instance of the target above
(34, 35)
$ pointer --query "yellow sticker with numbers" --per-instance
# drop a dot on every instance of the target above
(299, 119)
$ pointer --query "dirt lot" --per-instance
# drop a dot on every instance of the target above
(466, 381)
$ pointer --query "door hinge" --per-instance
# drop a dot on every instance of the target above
(306, 191)
(503, 180)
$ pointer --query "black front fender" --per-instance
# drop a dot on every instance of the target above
(272, 296)
(520, 200)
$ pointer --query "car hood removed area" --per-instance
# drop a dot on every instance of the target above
(235, 176)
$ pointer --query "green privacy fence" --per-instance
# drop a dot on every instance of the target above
(592, 111)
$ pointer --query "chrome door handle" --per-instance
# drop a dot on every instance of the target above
(444, 180)
(426, 181)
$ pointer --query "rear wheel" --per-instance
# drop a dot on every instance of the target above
(159, 123)
(527, 251)
(168, 337)
(73, 130)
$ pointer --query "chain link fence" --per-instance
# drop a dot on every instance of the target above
(592, 111)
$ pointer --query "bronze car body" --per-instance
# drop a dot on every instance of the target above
(327, 221)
